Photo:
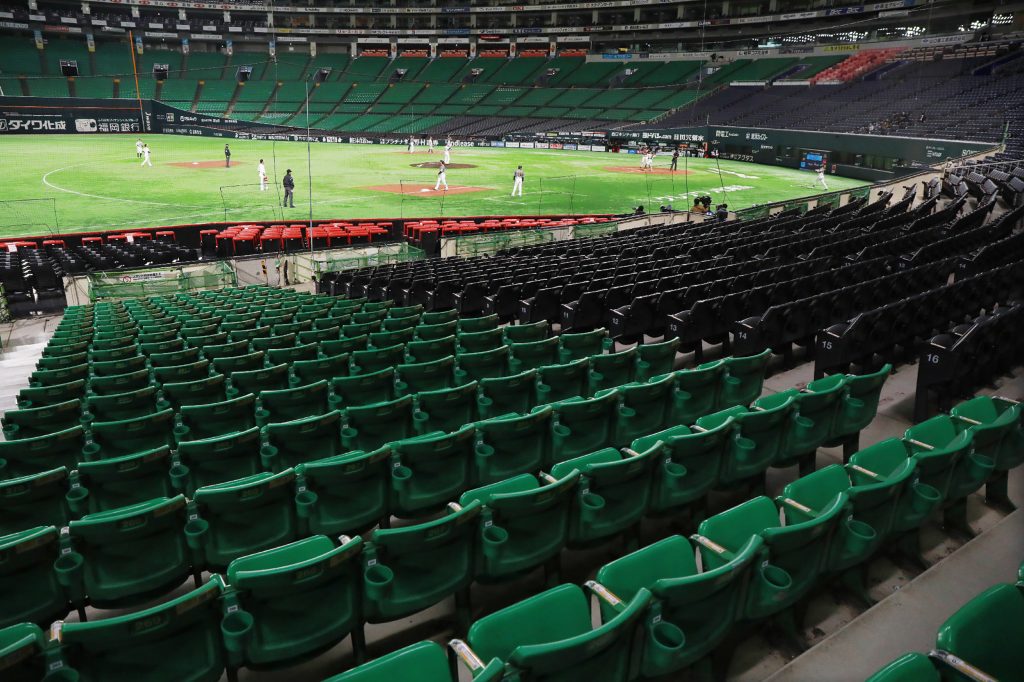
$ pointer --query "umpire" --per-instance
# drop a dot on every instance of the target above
(289, 189)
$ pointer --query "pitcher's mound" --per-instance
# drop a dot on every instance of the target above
(636, 170)
(423, 190)
(436, 164)
(203, 164)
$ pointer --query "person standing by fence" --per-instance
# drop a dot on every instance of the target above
(289, 189)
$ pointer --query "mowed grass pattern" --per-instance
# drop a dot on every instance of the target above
(96, 183)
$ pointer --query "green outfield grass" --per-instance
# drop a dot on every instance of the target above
(79, 182)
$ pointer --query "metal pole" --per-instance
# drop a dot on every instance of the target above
(309, 173)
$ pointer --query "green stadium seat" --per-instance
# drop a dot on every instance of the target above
(98, 355)
(532, 354)
(912, 667)
(468, 325)
(200, 392)
(408, 569)
(439, 317)
(39, 421)
(34, 455)
(400, 324)
(430, 350)
(581, 345)
(524, 333)
(130, 436)
(949, 462)
(311, 577)
(793, 557)
(367, 427)
(356, 329)
(480, 341)
(344, 345)
(811, 424)
(374, 360)
(245, 516)
(216, 460)
(274, 378)
(882, 467)
(129, 555)
(549, 636)
(52, 377)
(654, 359)
(34, 500)
(390, 338)
(487, 364)
(405, 311)
(119, 383)
(612, 369)
(63, 361)
(998, 435)
(508, 394)
(29, 588)
(216, 419)
(305, 372)
(696, 392)
(318, 334)
(362, 389)
(433, 375)
(525, 524)
(937, 448)
(983, 632)
(294, 403)
(757, 439)
(511, 444)
(177, 640)
(344, 494)
(560, 382)
(432, 331)
(125, 405)
(159, 347)
(583, 425)
(855, 539)
(860, 403)
(214, 340)
(692, 459)
(447, 410)
(290, 443)
(40, 396)
(613, 495)
(230, 349)
(743, 379)
(424, 662)
(307, 351)
(239, 363)
(428, 471)
(645, 408)
(121, 481)
(703, 605)
(276, 342)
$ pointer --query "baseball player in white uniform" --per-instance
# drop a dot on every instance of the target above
(430, 145)
(442, 178)
(412, 145)
(138, 149)
(447, 152)
(145, 156)
(517, 181)
(821, 176)
(261, 170)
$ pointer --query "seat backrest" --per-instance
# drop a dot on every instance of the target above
(351, 491)
(29, 588)
(979, 632)
(302, 440)
(221, 458)
(217, 419)
(176, 640)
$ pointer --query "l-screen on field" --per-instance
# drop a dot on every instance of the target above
(78, 183)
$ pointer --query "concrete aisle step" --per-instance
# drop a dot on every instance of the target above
(908, 619)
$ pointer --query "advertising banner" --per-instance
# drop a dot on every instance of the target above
(42, 115)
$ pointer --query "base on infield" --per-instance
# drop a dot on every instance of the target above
(421, 189)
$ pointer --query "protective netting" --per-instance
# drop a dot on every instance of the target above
(162, 281)
(350, 259)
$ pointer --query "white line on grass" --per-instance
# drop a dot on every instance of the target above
(97, 196)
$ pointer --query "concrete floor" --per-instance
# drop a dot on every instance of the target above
(911, 605)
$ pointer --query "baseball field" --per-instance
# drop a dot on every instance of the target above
(91, 183)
